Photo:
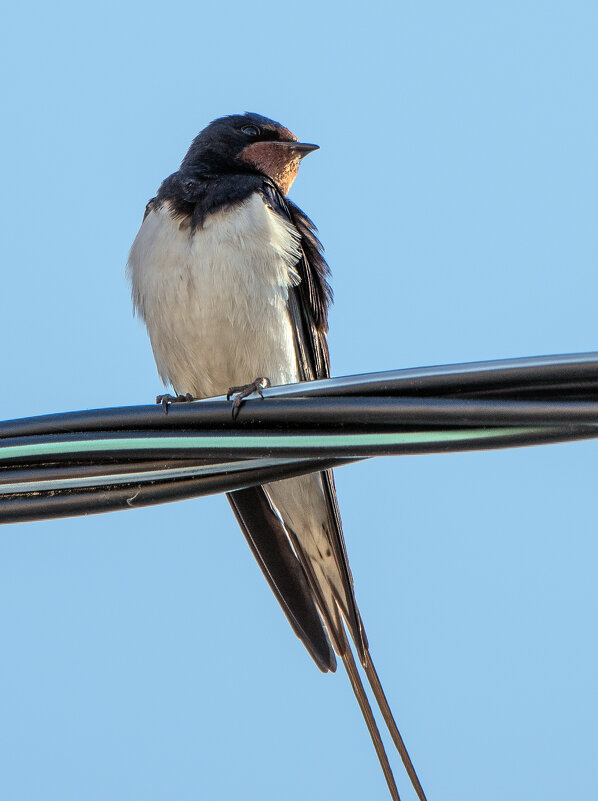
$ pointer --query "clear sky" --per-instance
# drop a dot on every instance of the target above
(143, 655)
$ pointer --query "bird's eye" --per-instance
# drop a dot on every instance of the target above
(251, 130)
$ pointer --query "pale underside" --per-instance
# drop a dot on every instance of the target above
(215, 305)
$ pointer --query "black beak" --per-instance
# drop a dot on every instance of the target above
(300, 148)
(303, 149)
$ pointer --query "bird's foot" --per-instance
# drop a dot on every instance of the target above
(242, 392)
(166, 400)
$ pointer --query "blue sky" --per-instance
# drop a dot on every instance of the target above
(143, 655)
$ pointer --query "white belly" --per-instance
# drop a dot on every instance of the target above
(215, 301)
(215, 306)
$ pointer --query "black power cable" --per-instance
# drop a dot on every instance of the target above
(101, 460)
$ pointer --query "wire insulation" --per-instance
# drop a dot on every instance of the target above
(100, 460)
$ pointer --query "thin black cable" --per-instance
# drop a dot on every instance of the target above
(43, 506)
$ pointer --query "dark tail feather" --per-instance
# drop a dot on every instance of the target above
(368, 715)
(372, 676)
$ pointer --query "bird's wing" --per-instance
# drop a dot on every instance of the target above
(270, 545)
(263, 530)
(308, 308)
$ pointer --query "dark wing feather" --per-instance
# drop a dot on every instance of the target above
(285, 575)
(262, 528)
(308, 307)
(310, 298)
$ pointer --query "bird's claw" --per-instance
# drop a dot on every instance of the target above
(166, 400)
(244, 391)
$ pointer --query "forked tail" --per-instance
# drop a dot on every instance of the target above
(366, 709)
(372, 675)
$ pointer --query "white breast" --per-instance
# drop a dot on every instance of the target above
(215, 301)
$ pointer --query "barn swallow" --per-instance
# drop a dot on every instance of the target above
(229, 278)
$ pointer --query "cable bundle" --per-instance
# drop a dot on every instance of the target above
(98, 461)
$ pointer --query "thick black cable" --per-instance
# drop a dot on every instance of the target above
(408, 441)
(501, 404)
(308, 414)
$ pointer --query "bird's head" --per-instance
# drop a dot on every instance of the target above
(248, 143)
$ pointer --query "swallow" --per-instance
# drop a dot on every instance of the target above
(229, 277)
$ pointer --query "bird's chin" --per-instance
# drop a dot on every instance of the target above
(284, 181)
(280, 164)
